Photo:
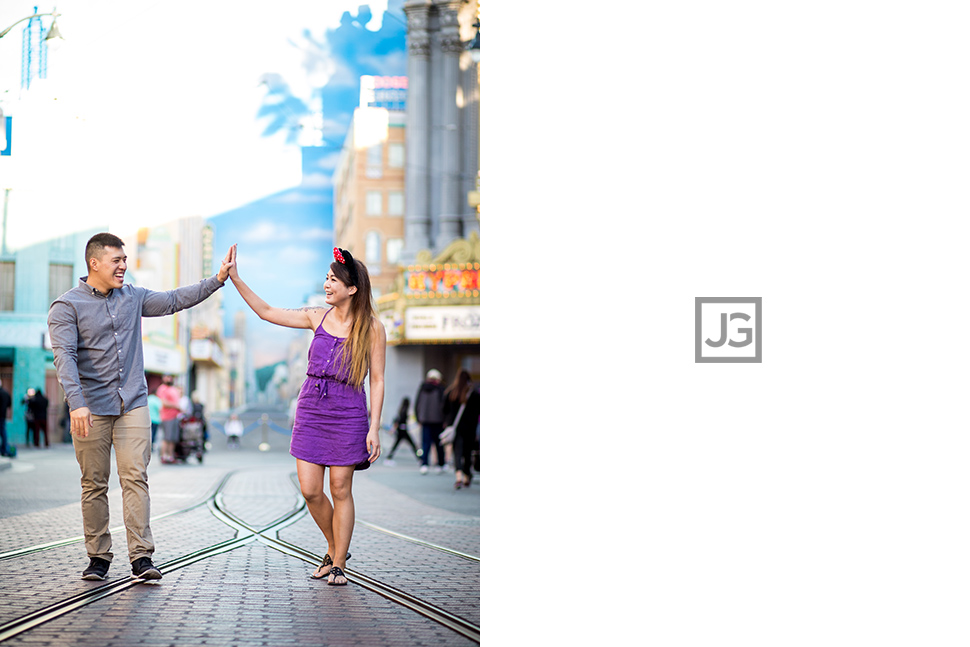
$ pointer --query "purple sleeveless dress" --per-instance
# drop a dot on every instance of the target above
(330, 425)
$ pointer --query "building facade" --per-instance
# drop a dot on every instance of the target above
(369, 193)
(30, 280)
(433, 316)
(442, 125)
(189, 344)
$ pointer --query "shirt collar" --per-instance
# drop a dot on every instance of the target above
(83, 284)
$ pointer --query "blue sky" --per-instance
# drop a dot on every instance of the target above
(285, 240)
(150, 109)
(154, 111)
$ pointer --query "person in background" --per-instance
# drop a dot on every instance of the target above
(170, 395)
(29, 416)
(37, 405)
(400, 425)
(462, 392)
(95, 331)
(197, 411)
(429, 410)
(5, 401)
(234, 429)
(154, 414)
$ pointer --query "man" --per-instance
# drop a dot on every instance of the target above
(37, 408)
(95, 330)
(169, 395)
(429, 410)
(4, 405)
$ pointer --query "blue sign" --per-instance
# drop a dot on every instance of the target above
(7, 128)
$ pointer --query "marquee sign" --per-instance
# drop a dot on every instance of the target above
(460, 280)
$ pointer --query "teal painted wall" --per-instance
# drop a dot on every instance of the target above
(22, 331)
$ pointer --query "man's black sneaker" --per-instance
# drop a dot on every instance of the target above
(143, 568)
(96, 570)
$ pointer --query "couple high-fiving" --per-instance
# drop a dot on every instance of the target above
(100, 365)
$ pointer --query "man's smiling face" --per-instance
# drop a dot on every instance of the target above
(108, 272)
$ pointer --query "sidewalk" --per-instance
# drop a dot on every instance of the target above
(413, 534)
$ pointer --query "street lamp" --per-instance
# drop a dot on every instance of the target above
(53, 34)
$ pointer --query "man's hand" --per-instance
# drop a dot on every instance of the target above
(234, 268)
(81, 422)
(227, 264)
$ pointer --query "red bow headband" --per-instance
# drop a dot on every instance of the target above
(343, 257)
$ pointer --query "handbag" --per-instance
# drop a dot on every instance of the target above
(448, 435)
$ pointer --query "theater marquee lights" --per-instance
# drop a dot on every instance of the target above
(442, 281)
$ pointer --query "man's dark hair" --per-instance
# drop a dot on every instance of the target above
(97, 243)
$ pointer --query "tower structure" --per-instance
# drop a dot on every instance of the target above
(33, 59)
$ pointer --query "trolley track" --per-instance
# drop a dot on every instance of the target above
(245, 533)
(22, 552)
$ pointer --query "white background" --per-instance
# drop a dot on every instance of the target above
(807, 153)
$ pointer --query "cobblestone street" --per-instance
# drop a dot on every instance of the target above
(414, 569)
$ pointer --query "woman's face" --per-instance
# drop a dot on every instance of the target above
(336, 292)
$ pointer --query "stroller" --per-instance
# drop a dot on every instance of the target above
(191, 438)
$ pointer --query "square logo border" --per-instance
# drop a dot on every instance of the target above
(698, 357)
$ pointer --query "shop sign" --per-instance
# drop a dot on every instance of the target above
(443, 323)
(164, 360)
(457, 280)
(205, 350)
(393, 325)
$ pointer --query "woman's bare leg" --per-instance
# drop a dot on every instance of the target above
(311, 486)
(341, 480)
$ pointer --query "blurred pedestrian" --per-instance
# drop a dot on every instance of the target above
(429, 410)
(170, 395)
(28, 415)
(154, 413)
(37, 406)
(400, 425)
(5, 401)
(462, 398)
(197, 411)
(234, 429)
(331, 426)
(95, 331)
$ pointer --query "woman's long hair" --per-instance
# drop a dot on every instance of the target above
(460, 386)
(356, 347)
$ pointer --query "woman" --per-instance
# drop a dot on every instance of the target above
(462, 392)
(330, 427)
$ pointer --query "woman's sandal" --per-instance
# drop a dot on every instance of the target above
(327, 561)
(337, 572)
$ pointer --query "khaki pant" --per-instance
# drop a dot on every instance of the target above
(131, 437)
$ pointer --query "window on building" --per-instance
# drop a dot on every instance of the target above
(375, 203)
(394, 247)
(372, 251)
(395, 155)
(395, 203)
(7, 284)
(60, 280)
(375, 161)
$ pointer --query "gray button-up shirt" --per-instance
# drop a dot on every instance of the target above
(97, 341)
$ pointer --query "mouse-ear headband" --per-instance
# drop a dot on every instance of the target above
(343, 257)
